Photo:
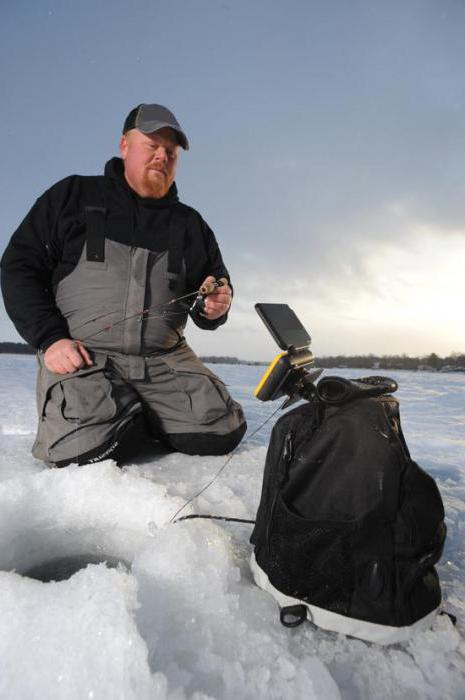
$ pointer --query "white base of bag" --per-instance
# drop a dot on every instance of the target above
(368, 631)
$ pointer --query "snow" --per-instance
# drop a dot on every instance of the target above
(179, 617)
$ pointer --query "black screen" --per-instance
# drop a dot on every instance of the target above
(283, 325)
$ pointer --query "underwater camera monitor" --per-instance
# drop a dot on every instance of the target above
(288, 374)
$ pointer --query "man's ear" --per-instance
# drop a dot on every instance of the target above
(123, 146)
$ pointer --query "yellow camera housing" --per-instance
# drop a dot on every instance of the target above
(282, 375)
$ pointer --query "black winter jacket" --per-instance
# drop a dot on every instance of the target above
(48, 245)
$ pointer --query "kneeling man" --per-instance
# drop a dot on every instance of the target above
(96, 279)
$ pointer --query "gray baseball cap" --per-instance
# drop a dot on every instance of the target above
(150, 118)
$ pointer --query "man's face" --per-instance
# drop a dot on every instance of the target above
(150, 161)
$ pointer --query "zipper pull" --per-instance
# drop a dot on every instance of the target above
(288, 451)
(288, 456)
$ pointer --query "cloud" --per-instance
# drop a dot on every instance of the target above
(400, 290)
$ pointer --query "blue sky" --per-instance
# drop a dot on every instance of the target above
(327, 148)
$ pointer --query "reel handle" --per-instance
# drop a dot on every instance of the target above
(206, 289)
(210, 287)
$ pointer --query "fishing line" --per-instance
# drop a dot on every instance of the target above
(163, 314)
(96, 318)
(229, 458)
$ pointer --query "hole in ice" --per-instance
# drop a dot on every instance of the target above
(52, 553)
(54, 524)
(62, 568)
(47, 551)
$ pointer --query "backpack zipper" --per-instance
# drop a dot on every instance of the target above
(286, 458)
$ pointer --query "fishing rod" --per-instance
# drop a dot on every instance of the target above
(198, 305)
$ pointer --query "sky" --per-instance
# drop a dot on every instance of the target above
(327, 149)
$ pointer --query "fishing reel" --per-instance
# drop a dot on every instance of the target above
(292, 372)
(199, 302)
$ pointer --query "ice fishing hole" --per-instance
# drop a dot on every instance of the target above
(48, 552)
(62, 568)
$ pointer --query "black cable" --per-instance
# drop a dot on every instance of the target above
(216, 517)
(173, 519)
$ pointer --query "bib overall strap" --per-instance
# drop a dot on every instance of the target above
(178, 226)
(95, 220)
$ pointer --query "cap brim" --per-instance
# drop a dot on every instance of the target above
(150, 126)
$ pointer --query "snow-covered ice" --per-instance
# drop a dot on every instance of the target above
(180, 617)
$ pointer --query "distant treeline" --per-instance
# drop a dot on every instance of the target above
(432, 362)
(224, 360)
(453, 362)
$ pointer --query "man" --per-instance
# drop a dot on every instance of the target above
(100, 278)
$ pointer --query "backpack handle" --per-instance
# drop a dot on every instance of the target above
(293, 615)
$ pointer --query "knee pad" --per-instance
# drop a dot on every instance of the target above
(205, 443)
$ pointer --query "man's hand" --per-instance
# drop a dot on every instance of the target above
(218, 302)
(66, 356)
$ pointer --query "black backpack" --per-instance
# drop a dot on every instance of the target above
(349, 528)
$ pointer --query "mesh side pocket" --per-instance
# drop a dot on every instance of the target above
(311, 561)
